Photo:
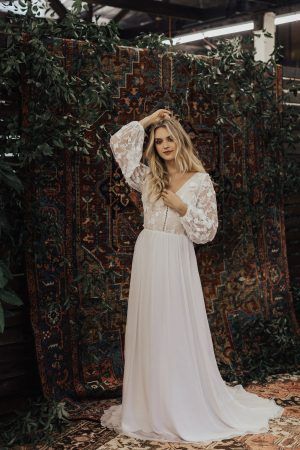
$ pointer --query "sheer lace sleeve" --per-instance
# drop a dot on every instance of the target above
(201, 220)
(127, 148)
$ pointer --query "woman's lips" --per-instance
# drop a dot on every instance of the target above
(168, 151)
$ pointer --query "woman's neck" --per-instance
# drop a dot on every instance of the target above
(171, 168)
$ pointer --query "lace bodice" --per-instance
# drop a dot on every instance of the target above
(199, 223)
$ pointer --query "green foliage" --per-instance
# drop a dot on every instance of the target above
(6, 294)
(34, 423)
(153, 42)
(63, 112)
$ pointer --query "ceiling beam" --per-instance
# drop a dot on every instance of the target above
(156, 26)
(256, 15)
(118, 17)
(183, 26)
(165, 9)
(233, 9)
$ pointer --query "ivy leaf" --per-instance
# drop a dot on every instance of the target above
(3, 279)
(10, 297)
(8, 176)
(46, 149)
(1, 318)
(58, 143)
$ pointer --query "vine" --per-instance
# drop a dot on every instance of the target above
(35, 422)
(63, 112)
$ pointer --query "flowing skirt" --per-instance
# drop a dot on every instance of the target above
(172, 388)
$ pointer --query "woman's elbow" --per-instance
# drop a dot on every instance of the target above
(204, 236)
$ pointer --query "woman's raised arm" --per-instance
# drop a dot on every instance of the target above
(127, 147)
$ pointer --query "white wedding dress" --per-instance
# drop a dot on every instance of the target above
(172, 388)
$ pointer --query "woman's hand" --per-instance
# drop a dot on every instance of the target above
(173, 201)
(155, 117)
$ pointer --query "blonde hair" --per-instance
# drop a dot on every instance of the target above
(186, 159)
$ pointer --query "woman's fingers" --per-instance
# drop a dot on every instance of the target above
(164, 111)
(160, 114)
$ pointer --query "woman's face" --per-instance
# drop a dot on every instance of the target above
(164, 143)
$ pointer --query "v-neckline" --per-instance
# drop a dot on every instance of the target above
(185, 182)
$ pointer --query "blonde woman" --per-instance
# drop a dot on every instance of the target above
(172, 388)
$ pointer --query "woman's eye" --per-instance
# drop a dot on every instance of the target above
(159, 142)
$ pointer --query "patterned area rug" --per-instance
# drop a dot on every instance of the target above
(87, 433)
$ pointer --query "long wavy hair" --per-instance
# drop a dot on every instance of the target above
(186, 159)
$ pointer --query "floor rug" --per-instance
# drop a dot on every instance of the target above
(86, 432)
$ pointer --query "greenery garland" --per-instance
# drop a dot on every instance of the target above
(240, 90)
(63, 112)
(34, 423)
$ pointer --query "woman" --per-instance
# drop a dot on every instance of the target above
(172, 388)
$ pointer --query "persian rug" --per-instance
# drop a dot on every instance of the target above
(79, 341)
(86, 432)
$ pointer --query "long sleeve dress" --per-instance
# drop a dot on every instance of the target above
(172, 388)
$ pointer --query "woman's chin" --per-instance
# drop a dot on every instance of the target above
(168, 155)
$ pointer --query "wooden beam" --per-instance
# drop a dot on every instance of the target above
(88, 15)
(59, 8)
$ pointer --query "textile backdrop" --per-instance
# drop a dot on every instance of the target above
(80, 344)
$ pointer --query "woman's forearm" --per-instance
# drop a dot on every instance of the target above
(146, 121)
(155, 117)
